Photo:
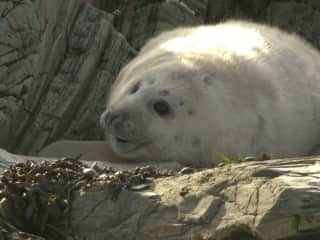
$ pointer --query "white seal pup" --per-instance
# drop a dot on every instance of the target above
(236, 88)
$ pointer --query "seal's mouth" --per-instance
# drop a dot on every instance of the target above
(123, 145)
(121, 140)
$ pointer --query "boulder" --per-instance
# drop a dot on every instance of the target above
(254, 200)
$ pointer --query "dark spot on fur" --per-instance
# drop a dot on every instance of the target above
(196, 141)
(151, 81)
(261, 123)
(208, 80)
(190, 112)
(164, 93)
(177, 138)
(135, 88)
(181, 103)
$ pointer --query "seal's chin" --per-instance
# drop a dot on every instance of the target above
(125, 146)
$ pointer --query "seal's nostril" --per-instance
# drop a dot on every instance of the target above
(112, 118)
(115, 121)
(108, 118)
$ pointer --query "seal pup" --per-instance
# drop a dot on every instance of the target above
(233, 89)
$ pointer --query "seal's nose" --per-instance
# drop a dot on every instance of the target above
(109, 118)
(113, 119)
(104, 118)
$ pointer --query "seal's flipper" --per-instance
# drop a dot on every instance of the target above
(84, 150)
(96, 151)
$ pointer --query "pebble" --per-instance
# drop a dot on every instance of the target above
(186, 170)
(139, 187)
(250, 158)
(89, 172)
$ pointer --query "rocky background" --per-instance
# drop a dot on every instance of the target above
(58, 58)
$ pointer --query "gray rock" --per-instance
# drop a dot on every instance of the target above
(58, 60)
(268, 200)
(186, 170)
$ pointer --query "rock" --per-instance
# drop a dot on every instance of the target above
(265, 200)
(186, 170)
(89, 172)
(202, 212)
(163, 230)
(61, 57)
(250, 158)
(140, 187)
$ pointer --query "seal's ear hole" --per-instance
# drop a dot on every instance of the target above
(162, 108)
(134, 88)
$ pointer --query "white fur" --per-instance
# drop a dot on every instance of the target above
(263, 93)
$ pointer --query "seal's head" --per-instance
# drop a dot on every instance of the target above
(153, 114)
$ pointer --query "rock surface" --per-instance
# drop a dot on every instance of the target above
(59, 58)
(265, 200)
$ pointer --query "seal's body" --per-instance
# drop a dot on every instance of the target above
(233, 89)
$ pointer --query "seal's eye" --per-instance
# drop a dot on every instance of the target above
(134, 88)
(162, 108)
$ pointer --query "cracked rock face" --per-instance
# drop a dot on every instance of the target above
(240, 201)
(59, 58)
